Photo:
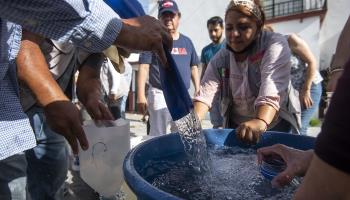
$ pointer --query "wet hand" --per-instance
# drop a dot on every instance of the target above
(250, 131)
(297, 162)
(63, 117)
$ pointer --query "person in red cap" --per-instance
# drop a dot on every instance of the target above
(187, 61)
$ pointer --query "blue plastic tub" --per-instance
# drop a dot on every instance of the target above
(168, 145)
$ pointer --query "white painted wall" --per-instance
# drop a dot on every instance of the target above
(308, 29)
(337, 14)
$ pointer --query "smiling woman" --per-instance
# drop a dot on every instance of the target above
(251, 76)
(243, 20)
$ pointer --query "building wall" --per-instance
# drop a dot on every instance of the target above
(307, 29)
(337, 14)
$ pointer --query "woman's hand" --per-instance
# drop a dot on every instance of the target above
(297, 162)
(305, 98)
(250, 131)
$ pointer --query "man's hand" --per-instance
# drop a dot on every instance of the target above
(146, 34)
(297, 161)
(96, 108)
(142, 104)
(63, 117)
(89, 88)
(250, 131)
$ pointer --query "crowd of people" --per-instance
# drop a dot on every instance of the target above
(253, 80)
(44, 52)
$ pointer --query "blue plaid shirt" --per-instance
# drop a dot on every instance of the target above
(89, 24)
(16, 134)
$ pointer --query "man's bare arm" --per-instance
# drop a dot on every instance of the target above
(61, 115)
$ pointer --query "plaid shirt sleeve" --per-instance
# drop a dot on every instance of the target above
(89, 24)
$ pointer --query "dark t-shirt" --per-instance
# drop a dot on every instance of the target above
(210, 50)
(184, 55)
(333, 143)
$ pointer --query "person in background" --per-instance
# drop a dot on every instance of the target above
(91, 25)
(215, 29)
(215, 26)
(116, 78)
(305, 78)
(126, 78)
(186, 59)
(252, 74)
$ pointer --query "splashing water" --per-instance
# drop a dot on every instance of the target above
(210, 173)
(190, 131)
(235, 175)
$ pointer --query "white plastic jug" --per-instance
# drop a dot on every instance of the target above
(101, 165)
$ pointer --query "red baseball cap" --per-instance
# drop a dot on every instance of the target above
(167, 6)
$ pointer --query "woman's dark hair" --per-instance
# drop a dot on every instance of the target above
(215, 21)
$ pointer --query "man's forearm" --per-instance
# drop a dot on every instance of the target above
(141, 80)
(195, 77)
(34, 72)
(88, 83)
(204, 67)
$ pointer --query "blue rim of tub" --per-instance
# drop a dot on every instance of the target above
(221, 137)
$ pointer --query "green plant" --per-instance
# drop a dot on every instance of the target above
(314, 122)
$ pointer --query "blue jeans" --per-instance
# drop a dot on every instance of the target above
(306, 114)
(13, 178)
(47, 162)
(118, 108)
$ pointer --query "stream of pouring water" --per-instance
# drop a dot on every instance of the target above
(190, 130)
